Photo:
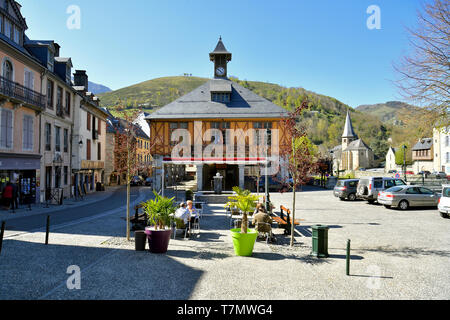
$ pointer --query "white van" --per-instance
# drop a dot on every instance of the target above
(444, 202)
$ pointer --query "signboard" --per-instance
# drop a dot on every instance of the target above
(92, 165)
(397, 175)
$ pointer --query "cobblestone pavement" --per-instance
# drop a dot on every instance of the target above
(395, 255)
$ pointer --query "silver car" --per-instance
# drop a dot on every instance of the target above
(404, 197)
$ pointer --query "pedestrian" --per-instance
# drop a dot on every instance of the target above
(15, 196)
(7, 195)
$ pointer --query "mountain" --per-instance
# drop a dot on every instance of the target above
(390, 112)
(325, 119)
(98, 88)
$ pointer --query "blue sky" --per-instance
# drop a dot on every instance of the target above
(322, 46)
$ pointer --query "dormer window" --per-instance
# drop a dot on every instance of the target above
(16, 35)
(221, 97)
(8, 28)
(50, 62)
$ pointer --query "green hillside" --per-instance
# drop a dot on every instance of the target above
(325, 119)
(389, 112)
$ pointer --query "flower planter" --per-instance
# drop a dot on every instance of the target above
(158, 240)
(244, 242)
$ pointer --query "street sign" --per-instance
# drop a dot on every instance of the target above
(397, 175)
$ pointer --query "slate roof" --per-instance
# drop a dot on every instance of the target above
(357, 145)
(348, 129)
(423, 144)
(198, 105)
(220, 48)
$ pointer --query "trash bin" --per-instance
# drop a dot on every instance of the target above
(320, 241)
(140, 239)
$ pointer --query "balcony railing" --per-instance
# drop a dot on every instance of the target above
(23, 94)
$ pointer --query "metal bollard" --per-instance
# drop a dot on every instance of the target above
(47, 230)
(348, 258)
(2, 232)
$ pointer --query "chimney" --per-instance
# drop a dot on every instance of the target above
(80, 79)
(57, 47)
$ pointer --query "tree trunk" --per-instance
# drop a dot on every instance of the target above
(128, 208)
(293, 218)
(244, 224)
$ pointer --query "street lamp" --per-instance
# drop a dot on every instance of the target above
(404, 160)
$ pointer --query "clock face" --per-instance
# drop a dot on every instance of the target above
(220, 71)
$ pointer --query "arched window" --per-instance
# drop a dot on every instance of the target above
(7, 70)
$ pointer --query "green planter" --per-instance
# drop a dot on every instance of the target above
(244, 242)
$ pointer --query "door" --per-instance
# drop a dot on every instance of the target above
(48, 182)
(429, 198)
(413, 196)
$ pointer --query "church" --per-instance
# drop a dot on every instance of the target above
(221, 106)
(353, 153)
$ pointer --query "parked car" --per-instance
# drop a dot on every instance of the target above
(425, 173)
(404, 197)
(369, 187)
(137, 181)
(274, 184)
(148, 182)
(346, 189)
(362, 169)
(439, 175)
(444, 202)
(392, 171)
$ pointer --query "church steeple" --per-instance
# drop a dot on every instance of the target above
(349, 134)
(220, 56)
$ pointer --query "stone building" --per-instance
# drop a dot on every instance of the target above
(353, 153)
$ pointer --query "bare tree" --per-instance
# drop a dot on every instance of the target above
(424, 75)
(125, 151)
(299, 154)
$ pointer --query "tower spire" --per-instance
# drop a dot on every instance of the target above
(348, 128)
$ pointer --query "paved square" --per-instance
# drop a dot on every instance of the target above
(395, 255)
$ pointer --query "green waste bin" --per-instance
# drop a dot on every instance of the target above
(320, 241)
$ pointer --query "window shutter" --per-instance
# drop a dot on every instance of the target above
(9, 129)
(88, 121)
(99, 126)
(3, 129)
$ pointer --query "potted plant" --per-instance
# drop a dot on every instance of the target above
(158, 212)
(243, 239)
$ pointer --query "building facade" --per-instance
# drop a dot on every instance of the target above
(441, 138)
(210, 114)
(89, 139)
(423, 155)
(21, 104)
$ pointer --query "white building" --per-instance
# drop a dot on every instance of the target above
(441, 139)
(89, 138)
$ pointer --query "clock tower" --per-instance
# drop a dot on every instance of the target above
(220, 56)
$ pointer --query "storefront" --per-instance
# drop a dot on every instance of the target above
(22, 170)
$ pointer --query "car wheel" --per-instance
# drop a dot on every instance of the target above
(371, 201)
(445, 215)
(403, 205)
(352, 197)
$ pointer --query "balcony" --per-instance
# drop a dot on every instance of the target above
(20, 94)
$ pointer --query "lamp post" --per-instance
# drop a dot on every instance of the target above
(266, 175)
(404, 160)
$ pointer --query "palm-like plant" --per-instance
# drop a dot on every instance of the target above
(245, 201)
(158, 210)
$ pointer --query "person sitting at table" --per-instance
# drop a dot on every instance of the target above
(183, 213)
(263, 222)
(192, 211)
(259, 207)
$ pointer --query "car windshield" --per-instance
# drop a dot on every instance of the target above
(400, 182)
(394, 189)
(446, 193)
(340, 183)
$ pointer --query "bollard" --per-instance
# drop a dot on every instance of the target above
(348, 257)
(47, 230)
(2, 232)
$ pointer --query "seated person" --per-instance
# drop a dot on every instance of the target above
(183, 214)
(192, 211)
(259, 207)
(263, 222)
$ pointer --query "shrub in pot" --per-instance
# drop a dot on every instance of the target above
(243, 239)
(158, 212)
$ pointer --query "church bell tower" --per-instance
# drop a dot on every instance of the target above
(220, 56)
